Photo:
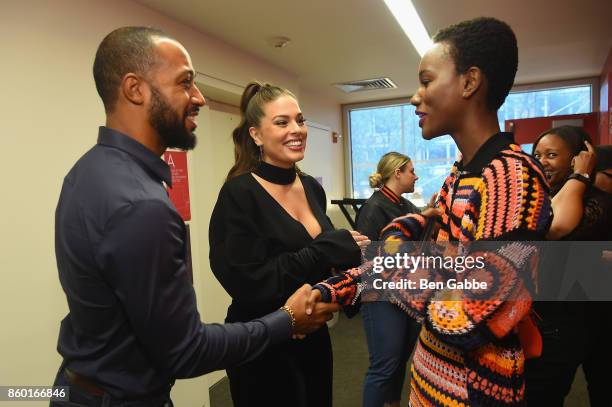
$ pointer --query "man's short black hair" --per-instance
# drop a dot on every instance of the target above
(489, 44)
(124, 50)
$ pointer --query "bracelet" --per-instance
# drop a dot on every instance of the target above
(584, 178)
(289, 311)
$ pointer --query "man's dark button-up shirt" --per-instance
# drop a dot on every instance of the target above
(133, 325)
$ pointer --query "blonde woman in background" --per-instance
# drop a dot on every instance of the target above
(394, 176)
(391, 334)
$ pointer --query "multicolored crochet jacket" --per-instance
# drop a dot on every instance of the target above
(468, 353)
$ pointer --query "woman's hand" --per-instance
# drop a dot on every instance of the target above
(432, 212)
(432, 200)
(584, 162)
(361, 240)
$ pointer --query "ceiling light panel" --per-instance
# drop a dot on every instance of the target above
(410, 21)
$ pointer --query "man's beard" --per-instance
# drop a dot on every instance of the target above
(169, 124)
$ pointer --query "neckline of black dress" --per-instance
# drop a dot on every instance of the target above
(274, 174)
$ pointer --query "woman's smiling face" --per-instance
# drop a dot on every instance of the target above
(282, 132)
(438, 99)
(556, 158)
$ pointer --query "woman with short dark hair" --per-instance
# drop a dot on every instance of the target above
(469, 350)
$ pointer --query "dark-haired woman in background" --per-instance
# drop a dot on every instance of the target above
(269, 235)
(572, 331)
(390, 332)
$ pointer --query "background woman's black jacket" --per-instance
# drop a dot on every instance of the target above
(379, 211)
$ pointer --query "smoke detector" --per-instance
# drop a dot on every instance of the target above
(279, 42)
(366, 84)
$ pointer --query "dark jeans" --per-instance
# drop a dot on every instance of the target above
(391, 336)
(81, 398)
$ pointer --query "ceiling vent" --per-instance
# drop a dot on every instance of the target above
(366, 84)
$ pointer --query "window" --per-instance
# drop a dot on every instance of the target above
(377, 128)
(546, 102)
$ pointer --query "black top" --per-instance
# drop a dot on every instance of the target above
(261, 254)
(133, 325)
(487, 152)
(596, 221)
(558, 263)
(380, 209)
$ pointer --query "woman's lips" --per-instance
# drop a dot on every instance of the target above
(295, 145)
(422, 118)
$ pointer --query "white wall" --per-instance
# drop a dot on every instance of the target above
(50, 113)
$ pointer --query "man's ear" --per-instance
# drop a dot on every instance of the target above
(133, 88)
(254, 133)
(472, 80)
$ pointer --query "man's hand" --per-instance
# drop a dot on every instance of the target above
(309, 316)
(318, 309)
(315, 297)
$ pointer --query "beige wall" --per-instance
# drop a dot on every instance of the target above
(50, 113)
(329, 114)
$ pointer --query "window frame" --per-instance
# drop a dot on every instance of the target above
(593, 82)
(346, 129)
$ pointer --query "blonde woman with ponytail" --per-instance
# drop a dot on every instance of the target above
(394, 176)
(391, 334)
(269, 235)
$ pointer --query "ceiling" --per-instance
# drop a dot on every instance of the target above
(344, 40)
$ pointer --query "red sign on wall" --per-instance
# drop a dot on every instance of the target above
(179, 193)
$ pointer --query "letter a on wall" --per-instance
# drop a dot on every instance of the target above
(179, 193)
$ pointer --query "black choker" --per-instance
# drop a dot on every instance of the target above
(274, 174)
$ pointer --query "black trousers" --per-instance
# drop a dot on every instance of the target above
(297, 373)
(573, 335)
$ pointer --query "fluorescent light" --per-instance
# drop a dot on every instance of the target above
(408, 18)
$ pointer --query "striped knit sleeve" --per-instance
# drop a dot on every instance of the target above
(510, 205)
(345, 287)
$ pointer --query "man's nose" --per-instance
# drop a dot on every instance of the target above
(197, 96)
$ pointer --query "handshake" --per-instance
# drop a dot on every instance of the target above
(308, 313)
